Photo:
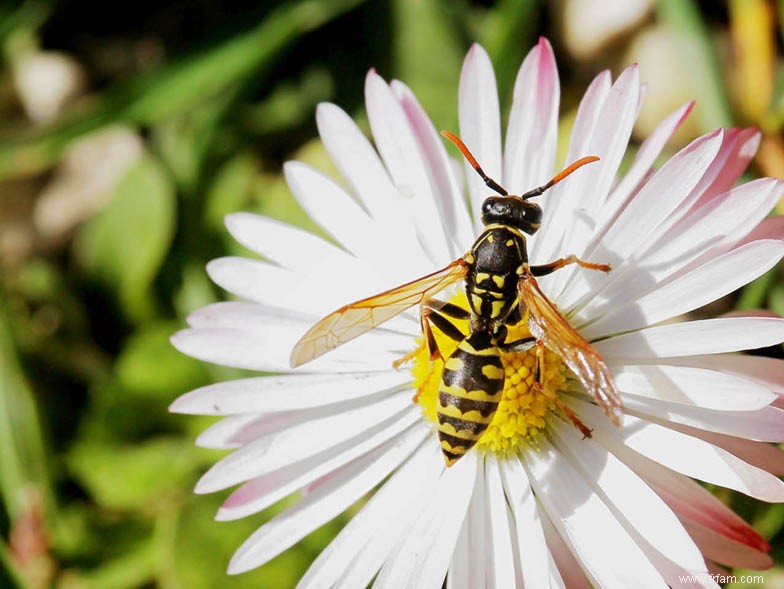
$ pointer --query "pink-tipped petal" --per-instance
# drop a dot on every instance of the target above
(561, 199)
(726, 551)
(696, 288)
(532, 133)
(577, 512)
(403, 158)
(480, 123)
(449, 200)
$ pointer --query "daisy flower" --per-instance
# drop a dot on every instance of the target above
(534, 503)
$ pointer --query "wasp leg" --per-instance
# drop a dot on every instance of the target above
(545, 269)
(435, 314)
(584, 429)
(428, 315)
(539, 366)
(519, 345)
(433, 311)
(448, 309)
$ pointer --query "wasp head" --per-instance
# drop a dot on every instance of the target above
(512, 210)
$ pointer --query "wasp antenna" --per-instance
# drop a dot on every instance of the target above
(560, 176)
(474, 164)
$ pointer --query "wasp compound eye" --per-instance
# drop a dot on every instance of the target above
(531, 218)
(496, 209)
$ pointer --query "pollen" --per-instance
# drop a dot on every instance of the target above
(524, 409)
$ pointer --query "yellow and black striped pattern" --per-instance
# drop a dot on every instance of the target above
(471, 387)
(491, 287)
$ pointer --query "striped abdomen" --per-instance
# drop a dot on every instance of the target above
(471, 388)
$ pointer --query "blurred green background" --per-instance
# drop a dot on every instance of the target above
(129, 129)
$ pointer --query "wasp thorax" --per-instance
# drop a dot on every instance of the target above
(512, 210)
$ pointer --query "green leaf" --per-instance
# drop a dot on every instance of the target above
(178, 86)
(125, 244)
(150, 366)
(184, 141)
(231, 190)
(290, 104)
(427, 56)
(135, 568)
(139, 477)
(755, 294)
(23, 462)
(195, 291)
(201, 548)
(696, 46)
(508, 33)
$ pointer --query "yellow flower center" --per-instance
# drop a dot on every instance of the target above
(522, 412)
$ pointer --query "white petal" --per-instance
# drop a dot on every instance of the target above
(716, 226)
(738, 150)
(480, 123)
(240, 349)
(287, 290)
(564, 558)
(532, 133)
(449, 199)
(588, 114)
(286, 392)
(709, 389)
(771, 228)
(644, 159)
(769, 457)
(360, 165)
(237, 430)
(617, 243)
(477, 528)
(261, 492)
(326, 502)
(331, 207)
(577, 512)
(251, 336)
(289, 246)
(693, 502)
(372, 533)
(561, 199)
(421, 559)
(592, 183)
(403, 159)
(707, 336)
(685, 454)
(700, 236)
(769, 372)
(457, 576)
(468, 566)
(297, 442)
(696, 288)
(611, 137)
(501, 570)
(537, 564)
(766, 424)
(647, 517)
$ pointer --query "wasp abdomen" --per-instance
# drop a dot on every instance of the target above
(471, 387)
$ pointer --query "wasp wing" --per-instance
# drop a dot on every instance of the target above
(547, 323)
(357, 318)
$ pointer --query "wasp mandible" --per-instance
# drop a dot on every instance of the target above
(501, 287)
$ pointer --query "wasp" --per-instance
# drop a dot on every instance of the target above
(501, 290)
